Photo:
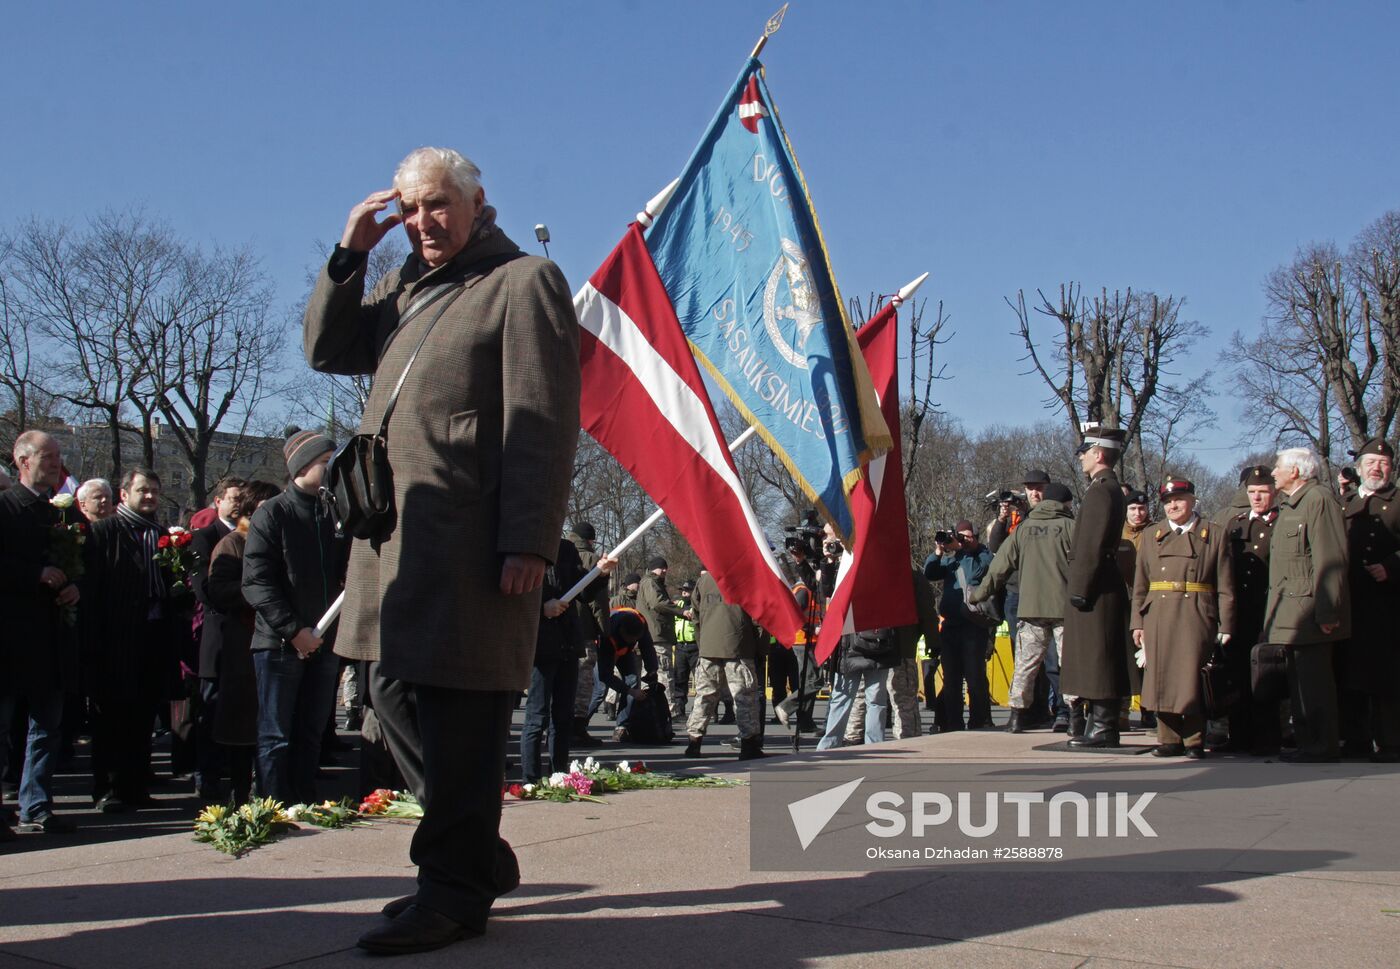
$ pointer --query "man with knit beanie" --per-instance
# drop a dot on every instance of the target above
(293, 569)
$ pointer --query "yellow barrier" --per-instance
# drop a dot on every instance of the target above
(999, 669)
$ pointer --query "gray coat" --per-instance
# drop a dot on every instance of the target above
(1308, 586)
(482, 445)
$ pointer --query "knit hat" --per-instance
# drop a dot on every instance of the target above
(304, 447)
(1054, 491)
(657, 562)
(631, 578)
(1136, 498)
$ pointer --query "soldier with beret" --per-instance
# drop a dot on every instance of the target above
(1254, 726)
(1371, 660)
(1183, 604)
(1094, 666)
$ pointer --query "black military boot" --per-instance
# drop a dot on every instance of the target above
(1102, 728)
(692, 749)
(1076, 720)
(751, 748)
(1016, 722)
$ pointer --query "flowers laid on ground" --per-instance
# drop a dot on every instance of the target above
(237, 831)
(585, 780)
(66, 551)
(385, 803)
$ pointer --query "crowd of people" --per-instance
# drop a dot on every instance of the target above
(1261, 631)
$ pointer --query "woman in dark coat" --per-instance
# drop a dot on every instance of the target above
(236, 717)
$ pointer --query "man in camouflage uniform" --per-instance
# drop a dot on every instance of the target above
(727, 641)
(1371, 660)
(655, 605)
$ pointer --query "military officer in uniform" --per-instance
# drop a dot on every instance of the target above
(1254, 726)
(1309, 606)
(1183, 604)
(1094, 666)
(1371, 660)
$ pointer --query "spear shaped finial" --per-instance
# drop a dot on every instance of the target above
(909, 290)
(769, 29)
(658, 202)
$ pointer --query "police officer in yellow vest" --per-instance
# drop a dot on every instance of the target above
(687, 657)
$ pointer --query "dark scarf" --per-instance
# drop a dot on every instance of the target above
(146, 534)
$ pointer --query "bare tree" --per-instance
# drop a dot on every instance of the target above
(1324, 367)
(1111, 357)
(216, 347)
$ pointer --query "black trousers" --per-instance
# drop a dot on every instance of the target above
(686, 662)
(460, 756)
(121, 746)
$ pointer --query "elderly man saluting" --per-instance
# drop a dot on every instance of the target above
(1183, 604)
(482, 443)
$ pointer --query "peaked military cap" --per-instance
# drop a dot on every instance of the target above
(1376, 445)
(1096, 435)
(1257, 474)
(1174, 487)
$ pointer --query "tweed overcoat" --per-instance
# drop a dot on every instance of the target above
(1371, 660)
(1308, 586)
(481, 444)
(1180, 625)
(1095, 665)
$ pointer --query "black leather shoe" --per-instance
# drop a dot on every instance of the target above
(398, 906)
(1015, 723)
(47, 823)
(1196, 753)
(1169, 750)
(111, 804)
(416, 929)
(751, 748)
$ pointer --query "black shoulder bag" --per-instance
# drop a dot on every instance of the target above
(359, 488)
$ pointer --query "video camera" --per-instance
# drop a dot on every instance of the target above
(994, 498)
(947, 537)
(806, 535)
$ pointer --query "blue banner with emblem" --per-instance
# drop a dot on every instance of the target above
(741, 255)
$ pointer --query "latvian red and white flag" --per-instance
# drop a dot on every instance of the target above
(643, 400)
(875, 584)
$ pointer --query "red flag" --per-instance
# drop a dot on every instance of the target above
(875, 587)
(643, 400)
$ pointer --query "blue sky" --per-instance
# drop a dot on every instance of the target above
(1187, 148)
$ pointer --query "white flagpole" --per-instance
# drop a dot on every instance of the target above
(638, 532)
(334, 611)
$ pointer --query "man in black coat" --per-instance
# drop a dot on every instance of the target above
(1094, 669)
(208, 758)
(293, 569)
(33, 594)
(129, 642)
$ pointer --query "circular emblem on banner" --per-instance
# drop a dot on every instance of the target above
(791, 306)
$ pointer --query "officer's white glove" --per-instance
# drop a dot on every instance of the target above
(1141, 657)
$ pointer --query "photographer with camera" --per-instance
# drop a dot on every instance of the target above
(960, 562)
